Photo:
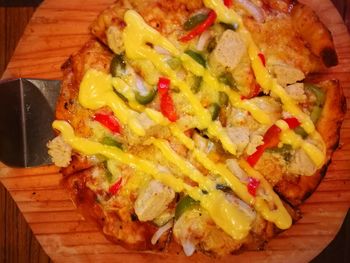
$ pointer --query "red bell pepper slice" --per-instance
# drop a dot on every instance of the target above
(200, 28)
(262, 58)
(253, 92)
(114, 188)
(228, 3)
(166, 102)
(271, 139)
(253, 185)
(292, 122)
(109, 121)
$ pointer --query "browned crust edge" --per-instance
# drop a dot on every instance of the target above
(329, 125)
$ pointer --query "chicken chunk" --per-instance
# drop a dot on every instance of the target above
(302, 164)
(60, 152)
(153, 200)
(287, 74)
(297, 92)
(228, 52)
(239, 136)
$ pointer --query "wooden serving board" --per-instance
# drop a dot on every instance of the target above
(58, 29)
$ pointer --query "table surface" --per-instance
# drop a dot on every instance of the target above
(17, 243)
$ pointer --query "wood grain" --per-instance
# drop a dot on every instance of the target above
(58, 30)
(12, 24)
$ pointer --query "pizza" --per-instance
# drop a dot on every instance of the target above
(198, 123)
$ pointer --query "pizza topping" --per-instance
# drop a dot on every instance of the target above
(228, 51)
(195, 20)
(297, 92)
(227, 79)
(204, 40)
(214, 110)
(320, 95)
(286, 74)
(253, 92)
(111, 142)
(163, 229)
(118, 65)
(166, 102)
(114, 188)
(301, 164)
(96, 91)
(262, 58)
(196, 56)
(184, 204)
(200, 28)
(153, 200)
(271, 139)
(228, 3)
(142, 94)
(108, 121)
(253, 10)
(253, 185)
(59, 151)
(240, 136)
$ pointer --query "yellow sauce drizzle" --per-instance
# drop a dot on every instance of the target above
(290, 137)
(136, 35)
(236, 223)
(96, 91)
(235, 98)
(279, 216)
(229, 218)
(268, 83)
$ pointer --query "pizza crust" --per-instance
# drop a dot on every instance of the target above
(295, 189)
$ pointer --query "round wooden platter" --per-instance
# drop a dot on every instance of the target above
(58, 29)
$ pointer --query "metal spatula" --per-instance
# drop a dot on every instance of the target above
(27, 109)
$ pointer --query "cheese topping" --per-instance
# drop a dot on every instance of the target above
(268, 83)
(136, 36)
(97, 90)
(233, 221)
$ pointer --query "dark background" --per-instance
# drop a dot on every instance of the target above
(19, 244)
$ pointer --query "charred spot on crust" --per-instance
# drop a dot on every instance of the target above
(329, 57)
(133, 217)
(67, 64)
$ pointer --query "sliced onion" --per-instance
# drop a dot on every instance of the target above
(145, 121)
(161, 50)
(140, 86)
(236, 170)
(203, 40)
(161, 231)
(255, 11)
(241, 205)
(163, 169)
(188, 247)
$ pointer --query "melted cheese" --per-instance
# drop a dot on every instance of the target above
(239, 222)
(268, 83)
(96, 91)
(235, 98)
(233, 221)
(279, 216)
(136, 36)
(288, 136)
